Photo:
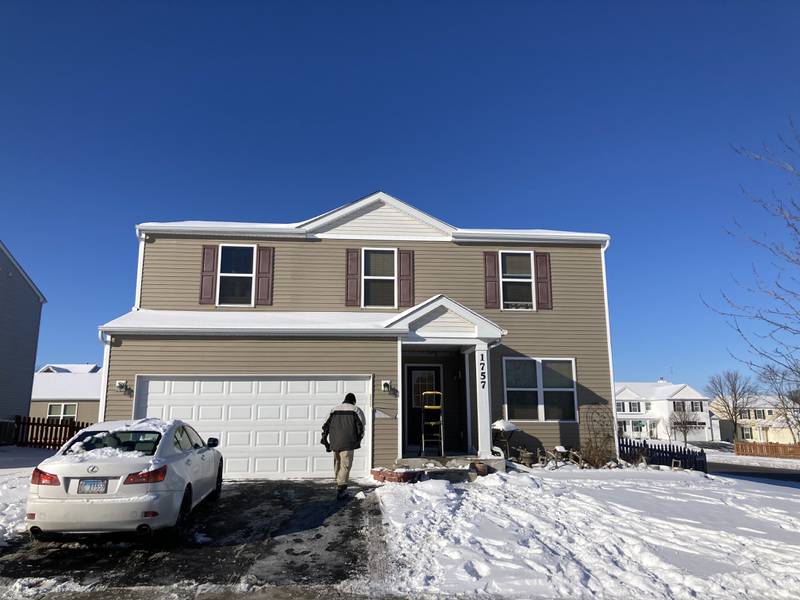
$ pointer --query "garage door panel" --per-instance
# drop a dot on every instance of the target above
(267, 426)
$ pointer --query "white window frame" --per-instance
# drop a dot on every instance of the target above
(747, 433)
(676, 403)
(540, 389)
(648, 406)
(620, 406)
(500, 254)
(696, 402)
(759, 410)
(364, 277)
(61, 416)
(638, 406)
(252, 275)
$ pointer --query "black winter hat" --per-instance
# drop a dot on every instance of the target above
(350, 398)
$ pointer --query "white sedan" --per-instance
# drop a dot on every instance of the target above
(124, 476)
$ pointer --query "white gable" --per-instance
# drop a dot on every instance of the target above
(380, 219)
(443, 322)
(689, 393)
(626, 394)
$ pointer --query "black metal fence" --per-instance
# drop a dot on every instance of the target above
(656, 453)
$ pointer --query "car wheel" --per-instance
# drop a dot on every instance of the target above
(177, 533)
(218, 488)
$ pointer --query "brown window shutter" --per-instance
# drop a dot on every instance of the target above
(208, 275)
(405, 278)
(491, 274)
(544, 284)
(264, 271)
(352, 294)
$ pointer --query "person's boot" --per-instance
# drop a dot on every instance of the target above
(341, 492)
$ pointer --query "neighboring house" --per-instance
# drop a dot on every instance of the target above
(67, 391)
(20, 313)
(253, 331)
(644, 410)
(759, 423)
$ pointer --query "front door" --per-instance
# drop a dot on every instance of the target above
(419, 379)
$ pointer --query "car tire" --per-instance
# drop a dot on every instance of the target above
(177, 533)
(214, 495)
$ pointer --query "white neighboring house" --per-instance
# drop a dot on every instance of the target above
(643, 410)
(67, 391)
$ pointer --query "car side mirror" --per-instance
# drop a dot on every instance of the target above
(212, 442)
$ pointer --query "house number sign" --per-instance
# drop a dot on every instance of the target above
(482, 369)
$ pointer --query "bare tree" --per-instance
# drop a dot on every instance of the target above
(731, 393)
(681, 422)
(782, 385)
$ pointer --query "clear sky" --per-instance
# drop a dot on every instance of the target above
(612, 117)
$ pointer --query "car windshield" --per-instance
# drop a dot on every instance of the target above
(145, 442)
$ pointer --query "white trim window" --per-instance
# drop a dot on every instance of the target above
(678, 406)
(697, 406)
(747, 433)
(540, 389)
(620, 407)
(64, 411)
(759, 414)
(379, 278)
(648, 406)
(236, 273)
(517, 291)
(635, 407)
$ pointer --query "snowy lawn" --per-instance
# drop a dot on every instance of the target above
(717, 456)
(605, 533)
(16, 465)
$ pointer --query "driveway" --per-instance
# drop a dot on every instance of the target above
(291, 534)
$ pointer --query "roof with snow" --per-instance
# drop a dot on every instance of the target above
(656, 390)
(69, 368)
(421, 224)
(66, 386)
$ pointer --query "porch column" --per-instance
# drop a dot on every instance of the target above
(483, 404)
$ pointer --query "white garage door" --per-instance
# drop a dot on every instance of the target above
(268, 427)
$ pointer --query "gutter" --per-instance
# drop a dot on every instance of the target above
(543, 238)
(285, 332)
(224, 232)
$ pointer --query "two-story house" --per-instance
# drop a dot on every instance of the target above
(763, 421)
(20, 313)
(644, 410)
(66, 391)
(253, 331)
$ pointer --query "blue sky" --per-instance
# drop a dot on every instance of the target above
(588, 116)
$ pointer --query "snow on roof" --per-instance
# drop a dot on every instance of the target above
(307, 228)
(66, 386)
(658, 390)
(282, 322)
(69, 368)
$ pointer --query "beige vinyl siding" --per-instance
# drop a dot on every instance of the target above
(310, 275)
(382, 219)
(20, 313)
(87, 409)
(131, 356)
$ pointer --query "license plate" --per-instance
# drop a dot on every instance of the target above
(92, 486)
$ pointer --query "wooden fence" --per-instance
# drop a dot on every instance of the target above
(40, 432)
(662, 454)
(770, 449)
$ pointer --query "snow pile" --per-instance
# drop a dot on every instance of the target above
(570, 533)
(78, 455)
(13, 496)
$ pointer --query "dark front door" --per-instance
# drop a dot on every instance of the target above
(419, 379)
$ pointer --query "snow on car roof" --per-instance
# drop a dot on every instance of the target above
(146, 424)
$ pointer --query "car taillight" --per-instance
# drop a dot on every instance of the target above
(39, 477)
(153, 476)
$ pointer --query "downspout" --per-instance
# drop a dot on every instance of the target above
(604, 247)
(106, 340)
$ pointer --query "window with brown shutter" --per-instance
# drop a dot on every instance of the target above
(352, 285)
(544, 284)
(208, 276)
(405, 277)
(264, 275)
(492, 282)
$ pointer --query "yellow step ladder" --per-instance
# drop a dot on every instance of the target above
(432, 421)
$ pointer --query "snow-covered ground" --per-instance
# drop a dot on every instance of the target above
(16, 465)
(619, 533)
(721, 456)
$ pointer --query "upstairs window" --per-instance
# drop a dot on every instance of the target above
(648, 406)
(697, 406)
(759, 413)
(678, 406)
(516, 280)
(379, 280)
(620, 407)
(236, 274)
(635, 407)
(540, 389)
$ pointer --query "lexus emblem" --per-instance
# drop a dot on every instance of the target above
(93, 469)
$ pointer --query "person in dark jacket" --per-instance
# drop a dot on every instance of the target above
(342, 434)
